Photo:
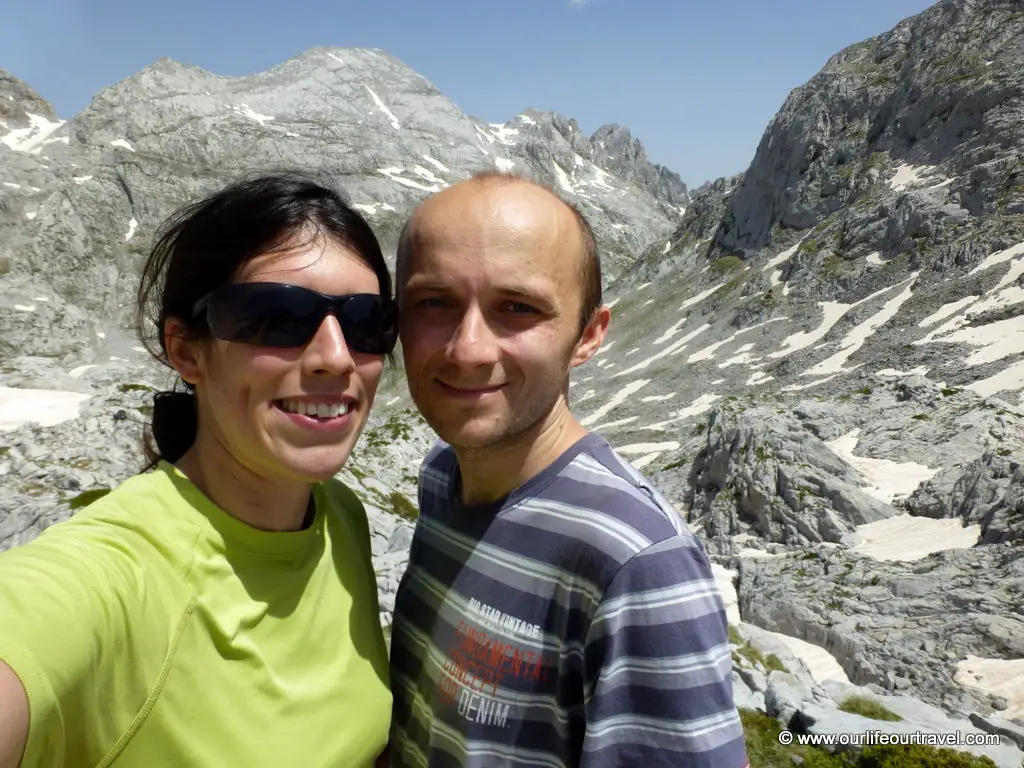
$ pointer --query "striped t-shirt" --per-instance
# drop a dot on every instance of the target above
(574, 623)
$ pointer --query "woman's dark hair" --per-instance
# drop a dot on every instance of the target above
(203, 246)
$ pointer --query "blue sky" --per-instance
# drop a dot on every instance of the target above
(697, 82)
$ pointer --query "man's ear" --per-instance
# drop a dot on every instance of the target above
(182, 352)
(592, 338)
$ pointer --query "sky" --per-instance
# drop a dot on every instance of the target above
(696, 82)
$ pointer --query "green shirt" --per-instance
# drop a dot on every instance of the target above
(154, 629)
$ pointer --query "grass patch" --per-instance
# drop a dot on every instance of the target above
(920, 417)
(402, 507)
(865, 707)
(950, 391)
(85, 498)
(746, 651)
(136, 388)
(761, 734)
(726, 264)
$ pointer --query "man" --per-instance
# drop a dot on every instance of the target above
(556, 611)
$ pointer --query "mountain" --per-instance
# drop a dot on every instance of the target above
(819, 360)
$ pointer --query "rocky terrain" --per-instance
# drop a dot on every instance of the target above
(820, 361)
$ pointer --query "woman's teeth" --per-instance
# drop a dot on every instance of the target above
(320, 410)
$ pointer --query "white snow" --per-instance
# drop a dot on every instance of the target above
(605, 347)
(502, 134)
(995, 677)
(132, 226)
(436, 163)
(782, 258)
(367, 208)
(383, 108)
(30, 215)
(31, 139)
(821, 664)
(700, 296)
(123, 144)
(563, 178)
(1011, 377)
(634, 350)
(643, 461)
(12, 185)
(905, 537)
(701, 405)
(673, 348)
(615, 401)
(395, 175)
(799, 387)
(527, 119)
(336, 58)
(855, 339)
(657, 398)
(759, 378)
(885, 479)
(709, 351)
(25, 307)
(833, 312)
(742, 356)
(77, 372)
(876, 259)
(921, 370)
(81, 179)
(667, 248)
(946, 310)
(41, 406)
(613, 302)
(907, 175)
(647, 447)
(424, 173)
(999, 257)
(504, 164)
(244, 110)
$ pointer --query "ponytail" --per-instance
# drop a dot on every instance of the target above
(173, 429)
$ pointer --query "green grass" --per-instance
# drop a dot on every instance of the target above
(402, 507)
(761, 733)
(865, 707)
(753, 655)
(726, 264)
(85, 498)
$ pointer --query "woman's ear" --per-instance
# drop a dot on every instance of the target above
(182, 352)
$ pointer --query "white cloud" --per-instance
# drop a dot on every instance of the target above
(579, 3)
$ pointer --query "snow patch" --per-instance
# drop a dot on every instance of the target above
(563, 178)
(31, 139)
(81, 179)
(855, 339)
(436, 163)
(905, 537)
(132, 226)
(701, 405)
(919, 371)
(504, 164)
(40, 406)
(910, 175)
(946, 310)
(671, 349)
(875, 259)
(244, 110)
(615, 401)
(885, 479)
(395, 174)
(123, 144)
(383, 108)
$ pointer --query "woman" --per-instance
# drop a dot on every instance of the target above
(221, 609)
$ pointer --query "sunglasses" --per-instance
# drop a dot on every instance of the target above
(282, 315)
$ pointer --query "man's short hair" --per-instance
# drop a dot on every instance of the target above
(590, 260)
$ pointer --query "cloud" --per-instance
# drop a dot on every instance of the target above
(579, 3)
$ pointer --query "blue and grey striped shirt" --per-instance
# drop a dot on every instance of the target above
(574, 623)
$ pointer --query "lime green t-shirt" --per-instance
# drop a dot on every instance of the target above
(153, 629)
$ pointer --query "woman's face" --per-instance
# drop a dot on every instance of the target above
(255, 402)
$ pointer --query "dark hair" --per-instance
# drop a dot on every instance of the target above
(590, 260)
(204, 245)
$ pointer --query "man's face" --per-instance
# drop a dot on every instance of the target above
(490, 311)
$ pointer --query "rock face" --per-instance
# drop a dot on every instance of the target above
(819, 361)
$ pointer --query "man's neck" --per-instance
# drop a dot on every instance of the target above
(270, 505)
(491, 473)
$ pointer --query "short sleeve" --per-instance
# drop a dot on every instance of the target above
(65, 615)
(658, 682)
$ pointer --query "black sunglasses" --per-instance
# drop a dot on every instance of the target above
(283, 315)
